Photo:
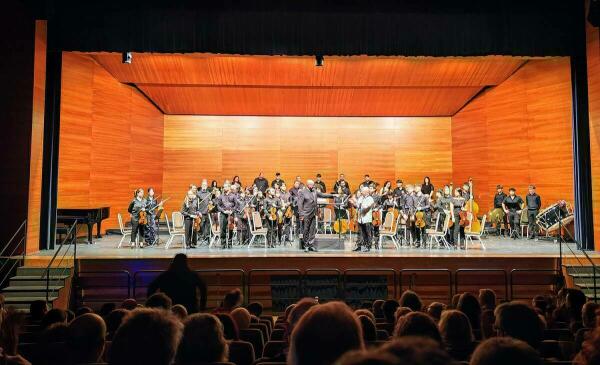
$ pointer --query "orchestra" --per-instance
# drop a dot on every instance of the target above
(229, 212)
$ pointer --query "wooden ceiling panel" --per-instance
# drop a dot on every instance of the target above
(276, 101)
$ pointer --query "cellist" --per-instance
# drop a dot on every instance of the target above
(190, 211)
(137, 205)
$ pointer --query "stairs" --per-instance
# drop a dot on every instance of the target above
(29, 284)
(583, 279)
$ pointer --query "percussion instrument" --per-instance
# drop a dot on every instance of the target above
(549, 217)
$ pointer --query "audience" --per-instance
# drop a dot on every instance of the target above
(179, 311)
(590, 350)
(417, 351)
(232, 300)
(85, 338)
(37, 310)
(505, 351)
(435, 310)
(378, 308)
(323, 334)
(457, 334)
(54, 315)
(159, 301)
(588, 319)
(369, 332)
(203, 341)
(469, 305)
(417, 324)
(241, 317)
(519, 321)
(255, 309)
(411, 300)
(487, 299)
(230, 329)
(113, 322)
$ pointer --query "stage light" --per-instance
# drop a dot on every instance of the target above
(319, 61)
(126, 57)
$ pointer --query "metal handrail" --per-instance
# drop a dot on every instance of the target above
(72, 232)
(20, 244)
(445, 271)
(13, 237)
(589, 259)
(512, 279)
(505, 275)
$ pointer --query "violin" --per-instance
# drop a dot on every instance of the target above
(463, 218)
(340, 226)
(289, 212)
(420, 219)
(143, 217)
(376, 218)
(197, 222)
(272, 214)
(353, 224)
(230, 222)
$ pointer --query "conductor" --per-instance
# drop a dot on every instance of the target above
(307, 211)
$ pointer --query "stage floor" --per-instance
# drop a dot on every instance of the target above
(106, 247)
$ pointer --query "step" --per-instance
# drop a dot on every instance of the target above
(11, 301)
(578, 270)
(28, 280)
(40, 271)
(29, 291)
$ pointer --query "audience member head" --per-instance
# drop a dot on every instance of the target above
(83, 310)
(288, 309)
(85, 338)
(369, 331)
(435, 310)
(106, 309)
(232, 299)
(203, 340)
(56, 332)
(113, 321)
(590, 350)
(129, 304)
(503, 351)
(417, 324)
(411, 300)
(160, 301)
(588, 314)
(469, 305)
(401, 312)
(241, 317)
(519, 321)
(230, 330)
(323, 334)
(179, 311)
(487, 299)
(389, 310)
(455, 328)
(146, 336)
(539, 302)
(255, 308)
(365, 312)
(70, 315)
(574, 304)
(455, 299)
(54, 315)
(378, 308)
(416, 351)
(179, 263)
(298, 311)
(37, 310)
(360, 357)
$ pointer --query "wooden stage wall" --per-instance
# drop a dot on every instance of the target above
(219, 147)
(518, 133)
(111, 139)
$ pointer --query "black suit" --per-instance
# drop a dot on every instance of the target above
(307, 210)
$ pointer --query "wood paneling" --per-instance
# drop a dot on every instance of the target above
(212, 147)
(111, 139)
(37, 137)
(293, 86)
(518, 133)
(593, 59)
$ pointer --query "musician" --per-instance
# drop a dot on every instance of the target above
(307, 211)
(443, 207)
(236, 181)
(365, 205)
(340, 203)
(320, 184)
(339, 182)
(458, 203)
(137, 205)
(378, 200)
(214, 186)
(466, 191)
(389, 202)
(193, 188)
(241, 218)
(151, 233)
(189, 210)
(366, 182)
(513, 205)
(534, 203)
(294, 192)
(226, 204)
(387, 187)
(421, 202)
(204, 199)
(497, 213)
(299, 180)
(399, 189)
(286, 201)
(261, 183)
(271, 207)
(427, 187)
(278, 180)
(409, 209)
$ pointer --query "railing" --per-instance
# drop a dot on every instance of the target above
(116, 282)
(443, 276)
(6, 259)
(71, 238)
(533, 279)
(581, 264)
(493, 272)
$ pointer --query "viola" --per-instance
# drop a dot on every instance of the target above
(197, 222)
(353, 224)
(463, 218)
(272, 214)
(230, 222)
(289, 212)
(420, 219)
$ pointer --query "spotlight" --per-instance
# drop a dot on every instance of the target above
(126, 57)
(319, 60)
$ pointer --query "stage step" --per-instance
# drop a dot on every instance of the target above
(40, 271)
(35, 280)
(29, 285)
(583, 279)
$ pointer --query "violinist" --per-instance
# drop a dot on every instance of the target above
(409, 209)
(137, 205)
(214, 186)
(367, 182)
(340, 203)
(272, 206)
(226, 206)
(389, 202)
(288, 213)
(294, 193)
(399, 189)
(341, 181)
(236, 181)
(365, 205)
(204, 199)
(151, 227)
(261, 183)
(458, 203)
(242, 223)
(377, 201)
(320, 184)
(443, 207)
(427, 188)
(497, 215)
(422, 214)
(277, 181)
(386, 188)
(189, 210)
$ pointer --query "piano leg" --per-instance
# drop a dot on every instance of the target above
(98, 235)
(90, 233)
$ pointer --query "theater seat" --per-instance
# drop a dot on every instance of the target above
(273, 348)
(382, 335)
(263, 329)
(255, 337)
(241, 353)
(560, 350)
(269, 363)
(278, 334)
(268, 323)
(389, 327)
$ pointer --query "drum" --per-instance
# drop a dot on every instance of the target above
(550, 216)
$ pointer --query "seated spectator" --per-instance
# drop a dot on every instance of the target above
(113, 322)
(255, 308)
(129, 304)
(54, 315)
(230, 330)
(487, 324)
(401, 312)
(457, 335)
(365, 312)
(241, 317)
(83, 310)
(590, 350)
(159, 301)
(106, 308)
(56, 332)
(505, 351)
(411, 300)
(455, 299)
(540, 304)
(70, 315)
(203, 341)
(588, 319)
(435, 310)
(37, 310)
(179, 311)
(416, 351)
(358, 357)
(469, 305)
(369, 332)
(85, 338)
(378, 308)
(183, 285)
(417, 324)
(323, 334)
(146, 336)
(574, 305)
(232, 300)
(389, 314)
(487, 299)
(519, 321)
(297, 312)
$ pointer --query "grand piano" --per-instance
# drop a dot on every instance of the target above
(88, 216)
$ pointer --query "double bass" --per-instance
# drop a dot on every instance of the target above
(472, 211)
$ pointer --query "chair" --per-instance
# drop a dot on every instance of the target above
(561, 350)
(174, 230)
(388, 229)
(327, 222)
(268, 323)
(262, 328)
(440, 235)
(278, 334)
(241, 353)
(256, 229)
(255, 337)
(382, 335)
(124, 231)
(470, 235)
(215, 233)
(524, 222)
(273, 348)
